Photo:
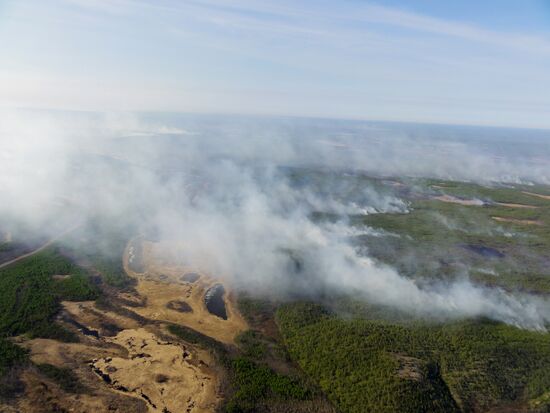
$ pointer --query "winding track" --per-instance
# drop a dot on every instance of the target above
(41, 248)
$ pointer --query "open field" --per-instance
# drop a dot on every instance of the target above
(161, 286)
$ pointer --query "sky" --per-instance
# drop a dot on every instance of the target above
(459, 62)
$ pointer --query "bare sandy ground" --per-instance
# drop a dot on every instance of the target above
(161, 285)
(396, 184)
(43, 395)
(129, 363)
(160, 372)
(160, 294)
(511, 205)
(547, 197)
(518, 221)
(136, 369)
(454, 200)
(89, 315)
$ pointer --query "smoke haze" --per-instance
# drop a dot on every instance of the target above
(217, 191)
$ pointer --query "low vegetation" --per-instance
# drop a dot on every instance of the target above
(64, 377)
(10, 356)
(254, 386)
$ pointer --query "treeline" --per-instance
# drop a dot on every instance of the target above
(380, 366)
(30, 295)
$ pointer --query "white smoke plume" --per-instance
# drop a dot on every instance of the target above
(218, 189)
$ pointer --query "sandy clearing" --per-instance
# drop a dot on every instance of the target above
(512, 205)
(162, 373)
(393, 183)
(454, 200)
(44, 396)
(547, 197)
(60, 354)
(410, 368)
(129, 364)
(162, 376)
(160, 294)
(61, 276)
(161, 284)
(518, 221)
(86, 313)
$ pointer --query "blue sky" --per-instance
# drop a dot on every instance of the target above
(465, 62)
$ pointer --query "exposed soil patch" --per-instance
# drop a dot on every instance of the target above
(410, 368)
(124, 354)
(158, 293)
(455, 200)
(138, 363)
(106, 323)
(518, 221)
(511, 205)
(44, 396)
(547, 197)
(61, 276)
(159, 372)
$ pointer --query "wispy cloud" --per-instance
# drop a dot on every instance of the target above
(343, 59)
(365, 12)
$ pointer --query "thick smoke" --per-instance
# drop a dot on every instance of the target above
(217, 193)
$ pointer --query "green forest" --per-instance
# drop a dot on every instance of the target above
(30, 294)
(383, 366)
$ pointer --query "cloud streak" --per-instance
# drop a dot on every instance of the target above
(346, 60)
